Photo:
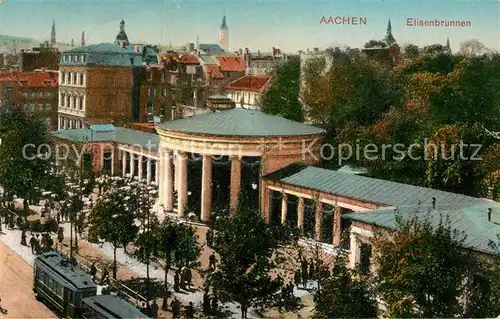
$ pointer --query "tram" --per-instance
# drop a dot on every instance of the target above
(110, 307)
(61, 285)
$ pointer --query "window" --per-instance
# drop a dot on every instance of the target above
(82, 58)
(151, 92)
(25, 94)
(77, 58)
(150, 109)
(77, 102)
(74, 102)
(67, 101)
(163, 78)
(81, 78)
(48, 107)
(365, 258)
(63, 77)
(81, 103)
(163, 108)
(70, 58)
(74, 79)
(164, 93)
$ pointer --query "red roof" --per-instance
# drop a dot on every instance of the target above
(231, 63)
(31, 79)
(214, 71)
(180, 58)
(253, 83)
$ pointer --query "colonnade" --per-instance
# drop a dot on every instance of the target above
(173, 175)
(128, 161)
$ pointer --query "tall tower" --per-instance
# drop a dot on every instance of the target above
(53, 34)
(448, 43)
(83, 39)
(121, 37)
(224, 35)
(72, 43)
(389, 39)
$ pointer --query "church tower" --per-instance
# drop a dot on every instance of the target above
(83, 39)
(121, 37)
(53, 34)
(448, 43)
(224, 35)
(389, 38)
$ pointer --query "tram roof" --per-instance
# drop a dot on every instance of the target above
(68, 274)
(113, 307)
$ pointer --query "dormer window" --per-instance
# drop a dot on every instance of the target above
(70, 58)
(82, 58)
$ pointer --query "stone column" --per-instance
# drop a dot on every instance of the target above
(157, 172)
(182, 184)
(319, 221)
(148, 171)
(206, 189)
(139, 163)
(300, 213)
(235, 182)
(284, 207)
(176, 170)
(124, 163)
(132, 165)
(354, 252)
(337, 222)
(168, 181)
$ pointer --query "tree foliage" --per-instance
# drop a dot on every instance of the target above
(245, 244)
(21, 172)
(345, 294)
(423, 271)
(281, 97)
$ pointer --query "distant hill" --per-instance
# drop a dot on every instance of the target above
(8, 43)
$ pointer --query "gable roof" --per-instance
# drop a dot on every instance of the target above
(208, 59)
(254, 83)
(472, 221)
(231, 63)
(211, 48)
(367, 189)
(214, 71)
(120, 135)
(31, 79)
(240, 122)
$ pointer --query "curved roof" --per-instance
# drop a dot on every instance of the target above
(240, 122)
(102, 48)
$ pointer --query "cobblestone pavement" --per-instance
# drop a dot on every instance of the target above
(16, 288)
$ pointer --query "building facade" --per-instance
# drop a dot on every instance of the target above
(96, 85)
(37, 92)
(247, 90)
(44, 57)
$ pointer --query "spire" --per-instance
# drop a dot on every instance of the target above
(83, 39)
(121, 37)
(53, 34)
(122, 26)
(197, 43)
(448, 42)
(389, 38)
(223, 24)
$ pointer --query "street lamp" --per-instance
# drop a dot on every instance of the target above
(174, 107)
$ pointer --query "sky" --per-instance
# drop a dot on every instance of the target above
(291, 25)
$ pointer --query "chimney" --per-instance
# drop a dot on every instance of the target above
(433, 202)
(489, 214)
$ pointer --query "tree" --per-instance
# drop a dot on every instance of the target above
(170, 244)
(472, 48)
(281, 97)
(422, 269)
(375, 44)
(411, 51)
(115, 220)
(245, 244)
(25, 160)
(345, 294)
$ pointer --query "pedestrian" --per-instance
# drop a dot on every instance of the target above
(153, 310)
(176, 281)
(311, 269)
(105, 276)
(60, 235)
(190, 310)
(11, 222)
(210, 238)
(212, 261)
(182, 277)
(188, 276)
(305, 274)
(176, 308)
(93, 270)
(32, 243)
(23, 238)
(43, 242)
(297, 277)
(58, 218)
(144, 309)
(206, 303)
(37, 245)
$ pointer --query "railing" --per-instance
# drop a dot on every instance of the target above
(85, 264)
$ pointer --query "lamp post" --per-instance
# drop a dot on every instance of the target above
(174, 107)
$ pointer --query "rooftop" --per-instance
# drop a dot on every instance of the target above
(113, 307)
(102, 48)
(240, 122)
(255, 83)
(110, 133)
(31, 79)
(472, 221)
(211, 48)
(231, 63)
(104, 54)
(69, 274)
(214, 71)
(367, 189)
